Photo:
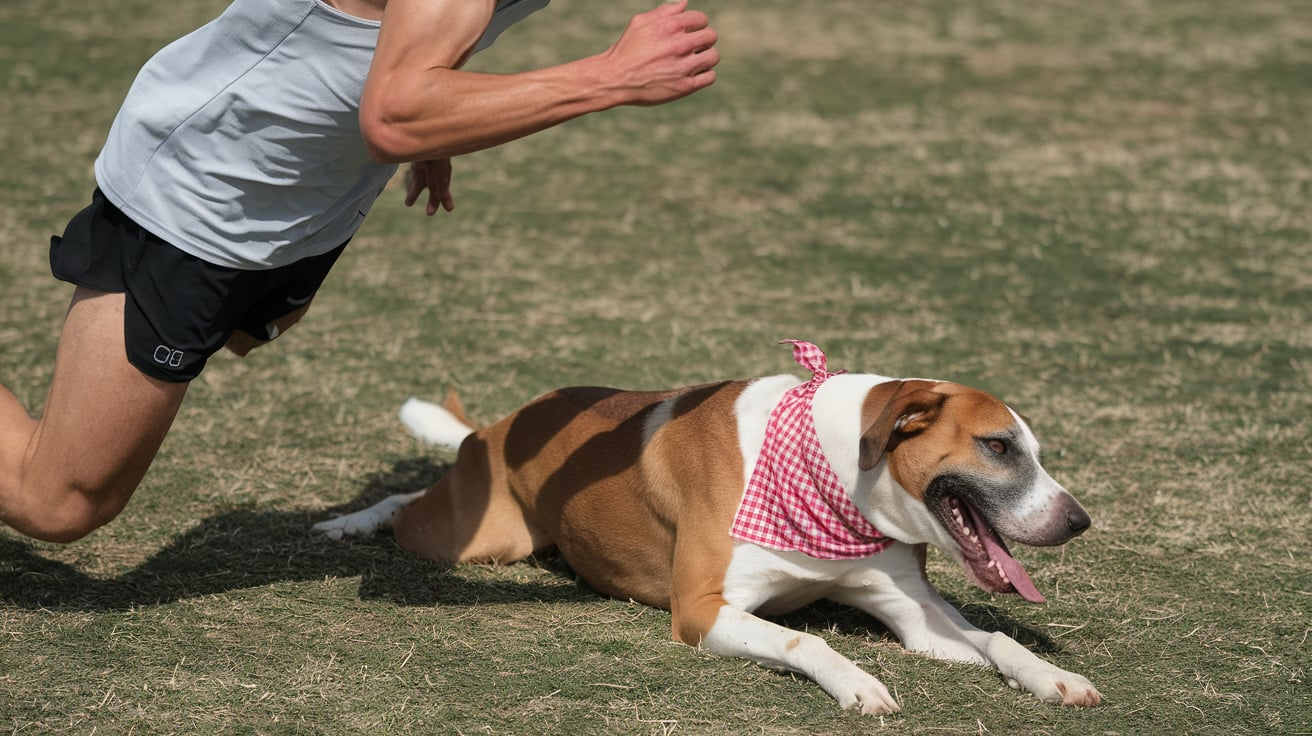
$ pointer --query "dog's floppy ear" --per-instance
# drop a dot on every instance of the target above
(895, 410)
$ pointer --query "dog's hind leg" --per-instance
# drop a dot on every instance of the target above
(470, 515)
(368, 521)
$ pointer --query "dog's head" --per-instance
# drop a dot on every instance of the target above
(966, 474)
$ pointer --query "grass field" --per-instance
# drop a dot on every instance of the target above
(1097, 211)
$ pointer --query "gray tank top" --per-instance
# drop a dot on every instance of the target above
(240, 142)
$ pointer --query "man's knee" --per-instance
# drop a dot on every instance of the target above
(74, 524)
(66, 514)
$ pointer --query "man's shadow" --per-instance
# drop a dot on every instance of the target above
(246, 549)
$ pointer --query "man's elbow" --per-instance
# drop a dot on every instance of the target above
(385, 141)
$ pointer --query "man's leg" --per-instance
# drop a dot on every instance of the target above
(74, 469)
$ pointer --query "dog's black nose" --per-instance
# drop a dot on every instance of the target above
(1078, 519)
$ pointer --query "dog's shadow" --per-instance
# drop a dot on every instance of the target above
(244, 549)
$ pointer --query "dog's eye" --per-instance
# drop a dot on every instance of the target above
(998, 446)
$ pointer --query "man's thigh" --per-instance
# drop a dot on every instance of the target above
(104, 419)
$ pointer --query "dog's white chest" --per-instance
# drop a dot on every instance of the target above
(774, 581)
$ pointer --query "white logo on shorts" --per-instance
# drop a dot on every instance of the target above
(165, 355)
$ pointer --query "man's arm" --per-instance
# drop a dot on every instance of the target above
(418, 105)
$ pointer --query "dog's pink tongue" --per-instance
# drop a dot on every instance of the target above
(1020, 580)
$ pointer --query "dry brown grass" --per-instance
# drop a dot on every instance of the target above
(1097, 211)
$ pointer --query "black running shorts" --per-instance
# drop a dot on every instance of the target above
(179, 309)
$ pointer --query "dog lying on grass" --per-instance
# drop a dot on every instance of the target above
(728, 500)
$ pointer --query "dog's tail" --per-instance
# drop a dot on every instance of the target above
(445, 426)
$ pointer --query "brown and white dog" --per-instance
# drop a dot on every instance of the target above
(638, 491)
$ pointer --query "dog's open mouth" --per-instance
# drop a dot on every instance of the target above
(985, 554)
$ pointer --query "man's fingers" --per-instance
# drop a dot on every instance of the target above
(701, 40)
(411, 191)
(694, 20)
(665, 9)
(435, 176)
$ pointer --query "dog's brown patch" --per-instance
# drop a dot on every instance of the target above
(925, 427)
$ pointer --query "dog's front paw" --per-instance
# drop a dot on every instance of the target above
(1078, 691)
(1045, 681)
(860, 691)
(1059, 687)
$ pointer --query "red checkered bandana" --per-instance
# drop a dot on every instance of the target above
(794, 500)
